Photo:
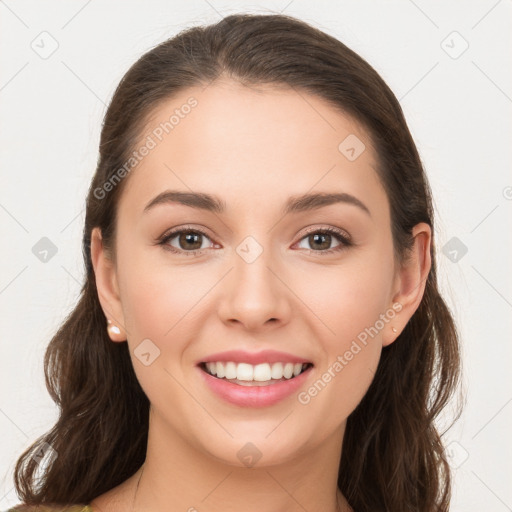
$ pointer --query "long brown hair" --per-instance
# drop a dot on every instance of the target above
(393, 457)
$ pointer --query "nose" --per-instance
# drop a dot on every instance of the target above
(254, 295)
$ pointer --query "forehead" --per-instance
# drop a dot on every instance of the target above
(252, 145)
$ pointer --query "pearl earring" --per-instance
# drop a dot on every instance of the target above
(113, 328)
(394, 329)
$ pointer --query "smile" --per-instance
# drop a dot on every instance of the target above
(254, 380)
(246, 374)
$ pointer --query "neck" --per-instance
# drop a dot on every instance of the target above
(179, 477)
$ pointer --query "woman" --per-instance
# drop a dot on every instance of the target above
(260, 326)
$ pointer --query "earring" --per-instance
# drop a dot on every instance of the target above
(394, 329)
(113, 328)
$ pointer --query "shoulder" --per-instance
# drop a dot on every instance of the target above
(50, 508)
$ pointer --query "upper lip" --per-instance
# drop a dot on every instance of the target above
(265, 356)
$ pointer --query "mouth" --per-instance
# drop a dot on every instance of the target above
(258, 375)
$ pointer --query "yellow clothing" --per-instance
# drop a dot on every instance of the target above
(50, 508)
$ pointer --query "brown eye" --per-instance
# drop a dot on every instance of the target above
(321, 241)
(186, 241)
(189, 240)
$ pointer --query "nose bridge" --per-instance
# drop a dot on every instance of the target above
(253, 280)
(254, 294)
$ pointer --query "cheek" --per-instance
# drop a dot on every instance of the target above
(347, 299)
(158, 305)
(156, 297)
(151, 305)
(352, 304)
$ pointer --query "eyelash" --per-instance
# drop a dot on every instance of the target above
(340, 235)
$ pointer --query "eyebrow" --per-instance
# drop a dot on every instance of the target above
(294, 204)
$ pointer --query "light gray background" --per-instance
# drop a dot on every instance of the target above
(458, 105)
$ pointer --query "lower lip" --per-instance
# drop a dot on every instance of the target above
(254, 396)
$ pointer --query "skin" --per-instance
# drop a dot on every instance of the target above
(254, 148)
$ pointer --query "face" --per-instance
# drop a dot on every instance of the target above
(264, 278)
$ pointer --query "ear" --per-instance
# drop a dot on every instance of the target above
(410, 281)
(107, 286)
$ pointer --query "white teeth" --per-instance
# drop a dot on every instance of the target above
(297, 368)
(230, 370)
(263, 372)
(220, 370)
(277, 371)
(244, 371)
(288, 370)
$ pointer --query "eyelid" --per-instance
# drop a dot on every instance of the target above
(329, 229)
(186, 227)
